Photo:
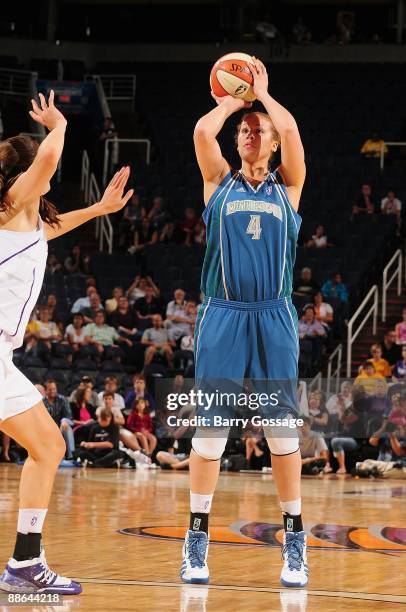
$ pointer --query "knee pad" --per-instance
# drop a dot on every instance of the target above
(279, 445)
(210, 444)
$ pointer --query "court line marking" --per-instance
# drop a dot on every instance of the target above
(230, 587)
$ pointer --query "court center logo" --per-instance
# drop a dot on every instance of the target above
(322, 536)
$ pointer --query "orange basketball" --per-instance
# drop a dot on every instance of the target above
(231, 75)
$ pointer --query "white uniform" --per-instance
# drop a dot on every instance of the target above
(23, 257)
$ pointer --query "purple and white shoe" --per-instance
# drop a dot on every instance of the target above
(34, 576)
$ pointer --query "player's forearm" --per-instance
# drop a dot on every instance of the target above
(53, 143)
(282, 119)
(73, 219)
(212, 123)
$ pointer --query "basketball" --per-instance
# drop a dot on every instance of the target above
(231, 75)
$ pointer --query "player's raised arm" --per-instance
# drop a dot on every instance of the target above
(34, 182)
(211, 162)
(113, 200)
(293, 167)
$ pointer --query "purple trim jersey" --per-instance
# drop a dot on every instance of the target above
(23, 257)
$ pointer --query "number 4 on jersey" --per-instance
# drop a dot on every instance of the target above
(254, 227)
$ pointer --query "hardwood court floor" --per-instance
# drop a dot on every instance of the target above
(356, 530)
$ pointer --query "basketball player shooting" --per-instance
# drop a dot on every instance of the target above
(27, 222)
(247, 325)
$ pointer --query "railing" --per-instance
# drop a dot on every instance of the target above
(16, 82)
(119, 86)
(109, 159)
(338, 352)
(84, 176)
(104, 228)
(388, 144)
(316, 382)
(371, 296)
(95, 78)
(397, 257)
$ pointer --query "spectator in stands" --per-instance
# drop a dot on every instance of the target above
(133, 215)
(75, 332)
(138, 286)
(313, 450)
(124, 319)
(390, 205)
(319, 239)
(200, 232)
(351, 427)
(364, 203)
(111, 386)
(53, 265)
(147, 306)
(157, 339)
(112, 303)
(379, 405)
(305, 286)
(101, 449)
(75, 263)
(399, 371)
(54, 313)
(186, 226)
(96, 306)
(324, 311)
(31, 335)
(108, 401)
(372, 147)
(368, 377)
(140, 423)
(252, 438)
(139, 391)
(101, 335)
(146, 235)
(83, 302)
(86, 382)
(82, 409)
(48, 331)
(59, 409)
(390, 350)
(335, 288)
(340, 401)
(382, 367)
(312, 330)
(400, 329)
(318, 413)
(180, 315)
(158, 216)
(108, 130)
(185, 354)
(299, 31)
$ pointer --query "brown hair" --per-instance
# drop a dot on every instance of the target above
(105, 414)
(16, 156)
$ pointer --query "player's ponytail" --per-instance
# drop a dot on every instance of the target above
(16, 156)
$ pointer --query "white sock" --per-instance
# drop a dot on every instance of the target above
(200, 503)
(31, 520)
(294, 508)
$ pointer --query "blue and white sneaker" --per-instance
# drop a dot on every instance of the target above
(34, 576)
(295, 572)
(194, 565)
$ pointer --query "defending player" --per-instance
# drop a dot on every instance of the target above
(247, 325)
(27, 222)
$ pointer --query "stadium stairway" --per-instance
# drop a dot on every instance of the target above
(361, 347)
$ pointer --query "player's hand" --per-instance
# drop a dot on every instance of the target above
(46, 113)
(235, 104)
(113, 198)
(261, 80)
